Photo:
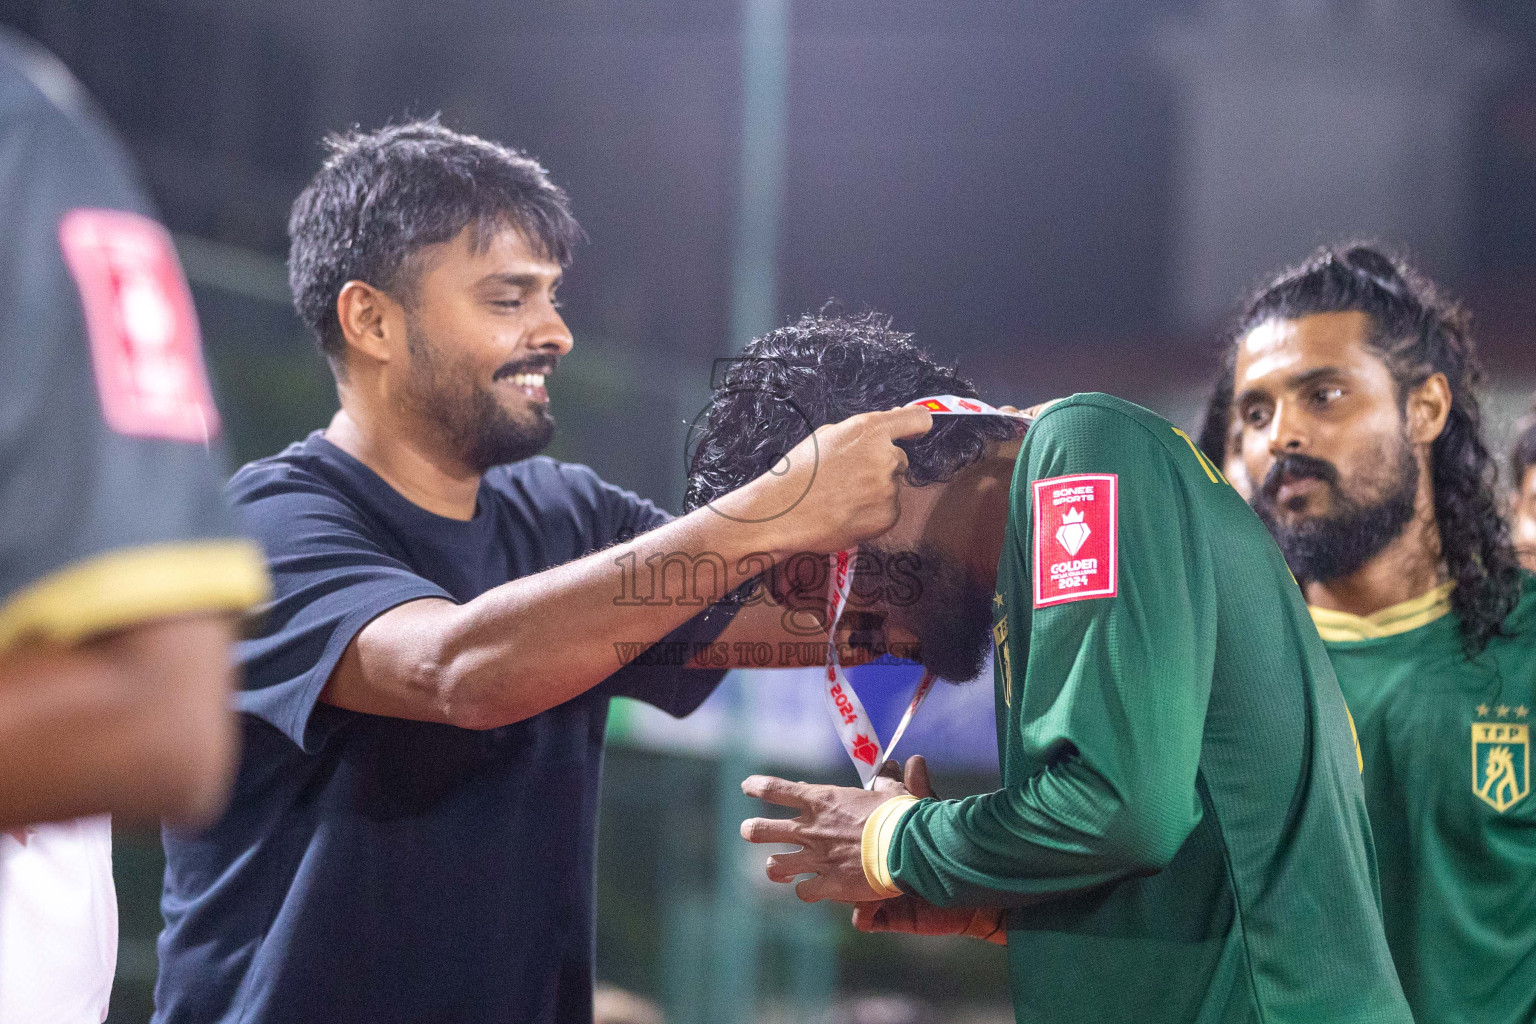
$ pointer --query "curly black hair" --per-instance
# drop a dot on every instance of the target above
(822, 369)
(1418, 333)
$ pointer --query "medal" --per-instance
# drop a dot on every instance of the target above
(853, 726)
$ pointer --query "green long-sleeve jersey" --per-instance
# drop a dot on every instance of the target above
(1447, 747)
(1181, 833)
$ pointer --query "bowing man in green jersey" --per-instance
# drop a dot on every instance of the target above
(1351, 398)
(1181, 833)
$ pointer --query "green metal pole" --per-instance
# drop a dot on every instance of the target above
(736, 953)
(738, 914)
(765, 102)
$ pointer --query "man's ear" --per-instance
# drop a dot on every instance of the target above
(365, 313)
(1427, 408)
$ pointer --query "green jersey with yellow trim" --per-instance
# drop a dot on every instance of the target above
(110, 511)
(1447, 746)
(1182, 834)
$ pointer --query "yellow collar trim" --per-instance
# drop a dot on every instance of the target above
(130, 586)
(1336, 626)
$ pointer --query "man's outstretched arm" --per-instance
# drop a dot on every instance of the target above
(135, 722)
(1068, 828)
(540, 640)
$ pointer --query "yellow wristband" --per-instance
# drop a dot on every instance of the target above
(875, 845)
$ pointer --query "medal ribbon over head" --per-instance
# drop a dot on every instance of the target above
(853, 726)
(954, 405)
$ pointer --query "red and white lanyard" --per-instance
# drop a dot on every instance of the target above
(954, 405)
(848, 716)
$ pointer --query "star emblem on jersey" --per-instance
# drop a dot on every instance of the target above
(1501, 763)
(1073, 533)
(864, 749)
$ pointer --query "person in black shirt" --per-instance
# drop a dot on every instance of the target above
(412, 832)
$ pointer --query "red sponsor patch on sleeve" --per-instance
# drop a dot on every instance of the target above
(1076, 538)
(145, 346)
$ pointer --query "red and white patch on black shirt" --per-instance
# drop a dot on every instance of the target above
(145, 345)
(1076, 538)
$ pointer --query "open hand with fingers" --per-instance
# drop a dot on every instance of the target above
(914, 915)
(837, 487)
(829, 832)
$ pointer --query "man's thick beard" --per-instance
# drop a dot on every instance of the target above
(473, 424)
(1324, 548)
(948, 612)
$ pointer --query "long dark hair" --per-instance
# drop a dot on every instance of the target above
(1418, 333)
(1215, 438)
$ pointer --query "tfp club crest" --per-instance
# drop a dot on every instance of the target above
(1501, 763)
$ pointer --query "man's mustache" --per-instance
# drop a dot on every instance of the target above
(1297, 467)
(533, 364)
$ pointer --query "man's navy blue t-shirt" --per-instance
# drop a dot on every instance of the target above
(374, 869)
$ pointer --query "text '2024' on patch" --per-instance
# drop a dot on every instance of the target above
(1076, 522)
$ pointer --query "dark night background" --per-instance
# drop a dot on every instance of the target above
(1025, 186)
(1000, 177)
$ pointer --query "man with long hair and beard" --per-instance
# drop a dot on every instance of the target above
(1181, 833)
(1349, 399)
(412, 832)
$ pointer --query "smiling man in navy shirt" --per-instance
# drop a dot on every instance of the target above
(411, 834)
